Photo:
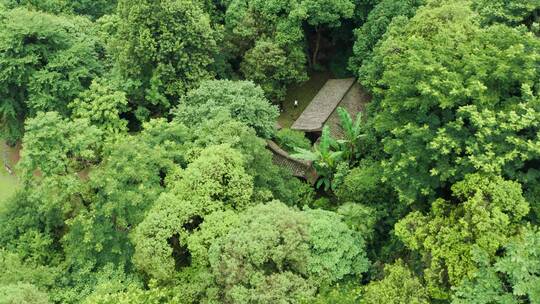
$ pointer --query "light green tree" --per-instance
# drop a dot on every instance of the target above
(102, 106)
(376, 25)
(92, 8)
(512, 13)
(485, 212)
(512, 278)
(243, 100)
(440, 81)
(58, 146)
(161, 49)
(280, 255)
(399, 286)
(22, 293)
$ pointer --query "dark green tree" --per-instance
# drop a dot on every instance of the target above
(45, 62)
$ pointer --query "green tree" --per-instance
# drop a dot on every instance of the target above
(274, 67)
(325, 157)
(58, 146)
(352, 132)
(269, 43)
(215, 181)
(22, 293)
(102, 106)
(512, 12)
(118, 194)
(243, 100)
(45, 62)
(270, 180)
(376, 25)
(513, 278)
(439, 81)
(322, 14)
(279, 255)
(289, 140)
(399, 286)
(94, 8)
(483, 213)
(161, 49)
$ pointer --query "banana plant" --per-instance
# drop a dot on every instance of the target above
(352, 132)
(325, 157)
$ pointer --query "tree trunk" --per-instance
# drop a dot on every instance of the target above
(317, 46)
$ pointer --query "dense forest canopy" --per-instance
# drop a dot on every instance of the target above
(145, 175)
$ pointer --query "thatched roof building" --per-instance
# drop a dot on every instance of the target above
(322, 111)
(323, 105)
(299, 168)
(346, 93)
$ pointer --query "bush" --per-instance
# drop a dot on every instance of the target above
(289, 140)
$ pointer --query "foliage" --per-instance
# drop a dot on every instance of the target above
(339, 293)
(55, 145)
(258, 160)
(442, 81)
(93, 8)
(332, 157)
(45, 62)
(102, 106)
(512, 13)
(352, 132)
(376, 25)
(289, 140)
(324, 157)
(161, 49)
(122, 190)
(483, 213)
(513, 278)
(278, 254)
(274, 67)
(270, 40)
(145, 175)
(243, 100)
(399, 285)
(213, 182)
(22, 293)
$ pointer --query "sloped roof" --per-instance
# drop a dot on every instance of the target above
(323, 105)
(354, 102)
(298, 168)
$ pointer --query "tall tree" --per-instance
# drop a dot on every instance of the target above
(45, 62)
(376, 25)
(513, 278)
(483, 213)
(58, 146)
(162, 49)
(92, 8)
(243, 100)
(399, 286)
(440, 81)
(277, 254)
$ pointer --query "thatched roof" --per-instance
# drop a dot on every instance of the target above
(323, 105)
(354, 102)
(298, 168)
